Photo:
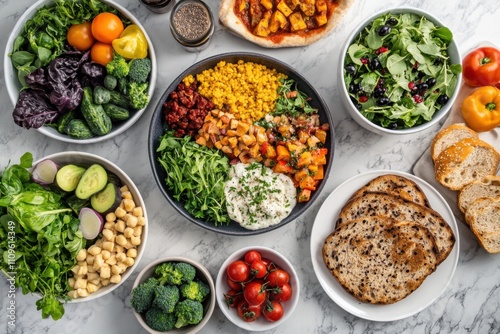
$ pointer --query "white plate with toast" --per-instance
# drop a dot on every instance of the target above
(432, 287)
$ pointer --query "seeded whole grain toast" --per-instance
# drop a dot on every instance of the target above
(380, 260)
(400, 209)
(395, 185)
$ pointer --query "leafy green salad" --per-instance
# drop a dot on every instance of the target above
(398, 71)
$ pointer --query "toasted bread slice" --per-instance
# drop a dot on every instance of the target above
(449, 136)
(488, 186)
(468, 160)
(380, 204)
(395, 185)
(484, 219)
(379, 260)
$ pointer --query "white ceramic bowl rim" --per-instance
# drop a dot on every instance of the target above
(13, 86)
(63, 156)
(345, 94)
(259, 324)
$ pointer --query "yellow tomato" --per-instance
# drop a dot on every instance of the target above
(132, 43)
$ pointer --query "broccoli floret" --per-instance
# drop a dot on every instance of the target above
(110, 82)
(166, 296)
(188, 271)
(159, 320)
(188, 312)
(166, 273)
(143, 295)
(118, 67)
(139, 69)
(138, 94)
(195, 290)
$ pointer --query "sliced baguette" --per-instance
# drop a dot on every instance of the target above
(488, 186)
(468, 160)
(395, 185)
(449, 136)
(380, 204)
(379, 260)
(484, 221)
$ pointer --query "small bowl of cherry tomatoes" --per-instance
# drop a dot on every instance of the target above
(257, 288)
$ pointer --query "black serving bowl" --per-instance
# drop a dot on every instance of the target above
(158, 126)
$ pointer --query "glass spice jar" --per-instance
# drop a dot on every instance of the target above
(157, 6)
(192, 24)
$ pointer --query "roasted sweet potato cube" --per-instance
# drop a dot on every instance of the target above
(308, 7)
(297, 22)
(261, 137)
(218, 145)
(236, 151)
(321, 135)
(227, 150)
(248, 140)
(225, 119)
(278, 20)
(213, 129)
(231, 133)
(283, 153)
(267, 3)
(312, 141)
(321, 18)
(242, 128)
(262, 28)
(283, 7)
(201, 141)
(233, 142)
(234, 123)
(321, 6)
(254, 151)
(225, 140)
(293, 4)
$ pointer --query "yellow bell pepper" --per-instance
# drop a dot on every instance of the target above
(132, 43)
(481, 109)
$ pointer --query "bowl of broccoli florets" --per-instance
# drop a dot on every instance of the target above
(174, 293)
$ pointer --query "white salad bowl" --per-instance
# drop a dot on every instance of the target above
(13, 85)
(454, 55)
(82, 158)
(260, 324)
(202, 274)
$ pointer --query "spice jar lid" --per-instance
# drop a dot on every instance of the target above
(191, 22)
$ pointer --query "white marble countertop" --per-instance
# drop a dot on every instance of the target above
(471, 303)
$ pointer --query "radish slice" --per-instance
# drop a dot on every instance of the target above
(45, 172)
(91, 223)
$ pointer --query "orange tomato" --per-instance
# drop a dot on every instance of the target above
(101, 53)
(106, 27)
(80, 36)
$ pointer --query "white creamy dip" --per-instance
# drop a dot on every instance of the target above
(257, 197)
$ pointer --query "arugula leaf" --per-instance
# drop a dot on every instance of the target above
(196, 176)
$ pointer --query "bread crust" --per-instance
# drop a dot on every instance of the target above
(395, 185)
(452, 169)
(228, 18)
(380, 260)
(449, 136)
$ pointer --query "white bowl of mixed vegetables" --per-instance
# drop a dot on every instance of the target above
(74, 228)
(79, 71)
(399, 71)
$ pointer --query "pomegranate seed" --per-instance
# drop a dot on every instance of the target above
(418, 99)
(381, 49)
(416, 65)
(411, 85)
(364, 61)
(363, 99)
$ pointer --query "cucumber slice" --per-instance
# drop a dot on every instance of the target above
(68, 177)
(106, 200)
(93, 180)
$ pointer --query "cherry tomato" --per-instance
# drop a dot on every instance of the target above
(252, 256)
(106, 27)
(80, 36)
(254, 293)
(258, 269)
(268, 263)
(247, 312)
(101, 53)
(238, 271)
(278, 277)
(234, 285)
(233, 298)
(283, 293)
(273, 311)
